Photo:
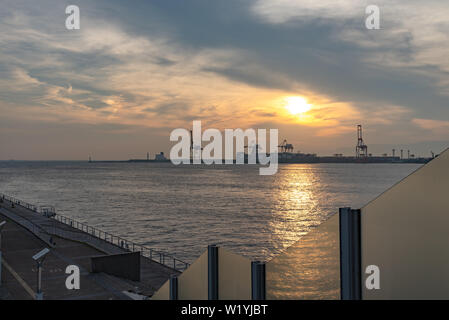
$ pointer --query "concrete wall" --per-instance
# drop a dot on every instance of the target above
(405, 232)
(126, 265)
(309, 269)
(234, 276)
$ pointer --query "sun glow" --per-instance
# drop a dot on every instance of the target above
(297, 105)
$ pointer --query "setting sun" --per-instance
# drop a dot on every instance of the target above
(297, 105)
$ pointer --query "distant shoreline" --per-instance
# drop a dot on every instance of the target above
(322, 160)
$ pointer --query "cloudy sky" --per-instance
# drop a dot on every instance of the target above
(138, 69)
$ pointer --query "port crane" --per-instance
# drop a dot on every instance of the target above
(361, 150)
(285, 147)
(194, 148)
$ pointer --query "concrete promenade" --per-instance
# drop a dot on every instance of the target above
(27, 232)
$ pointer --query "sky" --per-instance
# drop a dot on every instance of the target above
(136, 70)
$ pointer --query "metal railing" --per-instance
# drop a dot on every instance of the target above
(19, 202)
(117, 241)
(37, 230)
(131, 246)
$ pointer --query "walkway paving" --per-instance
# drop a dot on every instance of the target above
(27, 232)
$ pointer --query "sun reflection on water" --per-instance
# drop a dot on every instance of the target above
(296, 205)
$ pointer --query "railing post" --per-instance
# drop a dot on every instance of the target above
(350, 254)
(173, 287)
(212, 272)
(258, 289)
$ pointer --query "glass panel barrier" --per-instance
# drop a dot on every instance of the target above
(163, 293)
(309, 269)
(405, 235)
(192, 283)
(234, 276)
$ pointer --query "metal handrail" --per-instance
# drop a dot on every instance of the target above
(152, 254)
(19, 202)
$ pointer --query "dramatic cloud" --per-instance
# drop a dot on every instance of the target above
(437, 126)
(157, 65)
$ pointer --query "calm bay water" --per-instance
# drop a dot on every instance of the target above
(182, 209)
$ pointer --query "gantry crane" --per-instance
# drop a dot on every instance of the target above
(361, 150)
(285, 147)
